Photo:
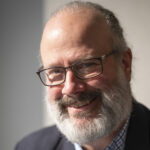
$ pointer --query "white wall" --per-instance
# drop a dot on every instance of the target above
(134, 17)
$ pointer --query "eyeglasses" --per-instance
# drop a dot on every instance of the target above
(85, 69)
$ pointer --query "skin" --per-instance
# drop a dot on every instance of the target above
(72, 36)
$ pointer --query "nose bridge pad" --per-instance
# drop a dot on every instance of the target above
(72, 70)
(74, 73)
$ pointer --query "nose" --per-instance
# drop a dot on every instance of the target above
(72, 84)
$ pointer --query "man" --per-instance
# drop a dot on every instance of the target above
(87, 72)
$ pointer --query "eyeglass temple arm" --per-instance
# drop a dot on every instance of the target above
(39, 70)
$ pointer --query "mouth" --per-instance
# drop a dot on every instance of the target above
(81, 104)
(85, 105)
(85, 109)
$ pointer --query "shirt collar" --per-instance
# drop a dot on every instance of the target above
(118, 142)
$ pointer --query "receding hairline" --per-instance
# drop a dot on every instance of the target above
(73, 8)
(92, 13)
(119, 42)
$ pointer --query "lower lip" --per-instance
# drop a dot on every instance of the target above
(91, 105)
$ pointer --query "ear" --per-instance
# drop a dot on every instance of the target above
(126, 63)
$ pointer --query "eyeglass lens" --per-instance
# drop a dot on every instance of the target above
(84, 70)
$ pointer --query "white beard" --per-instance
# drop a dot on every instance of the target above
(114, 108)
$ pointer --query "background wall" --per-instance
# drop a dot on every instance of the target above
(20, 88)
(21, 24)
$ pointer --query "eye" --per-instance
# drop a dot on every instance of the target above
(87, 68)
(86, 65)
(89, 64)
(55, 73)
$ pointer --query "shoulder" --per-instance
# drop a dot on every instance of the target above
(45, 139)
(140, 111)
(140, 116)
(138, 135)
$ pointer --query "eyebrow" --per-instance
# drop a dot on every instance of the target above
(53, 65)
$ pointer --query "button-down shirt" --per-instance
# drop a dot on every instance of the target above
(118, 142)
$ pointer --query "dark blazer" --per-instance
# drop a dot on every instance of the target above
(138, 135)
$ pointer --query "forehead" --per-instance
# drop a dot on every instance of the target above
(75, 35)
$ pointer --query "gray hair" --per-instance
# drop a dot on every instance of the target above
(119, 42)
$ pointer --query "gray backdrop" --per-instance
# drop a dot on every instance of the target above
(20, 96)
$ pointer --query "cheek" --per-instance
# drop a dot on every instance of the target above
(102, 82)
(98, 83)
(54, 93)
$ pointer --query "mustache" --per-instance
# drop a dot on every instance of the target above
(84, 96)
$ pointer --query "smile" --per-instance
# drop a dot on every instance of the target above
(81, 104)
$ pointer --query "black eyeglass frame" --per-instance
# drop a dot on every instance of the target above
(101, 58)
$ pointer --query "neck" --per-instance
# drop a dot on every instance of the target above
(102, 143)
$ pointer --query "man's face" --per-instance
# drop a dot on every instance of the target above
(68, 39)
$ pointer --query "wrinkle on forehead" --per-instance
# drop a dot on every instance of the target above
(67, 56)
(81, 22)
(75, 29)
